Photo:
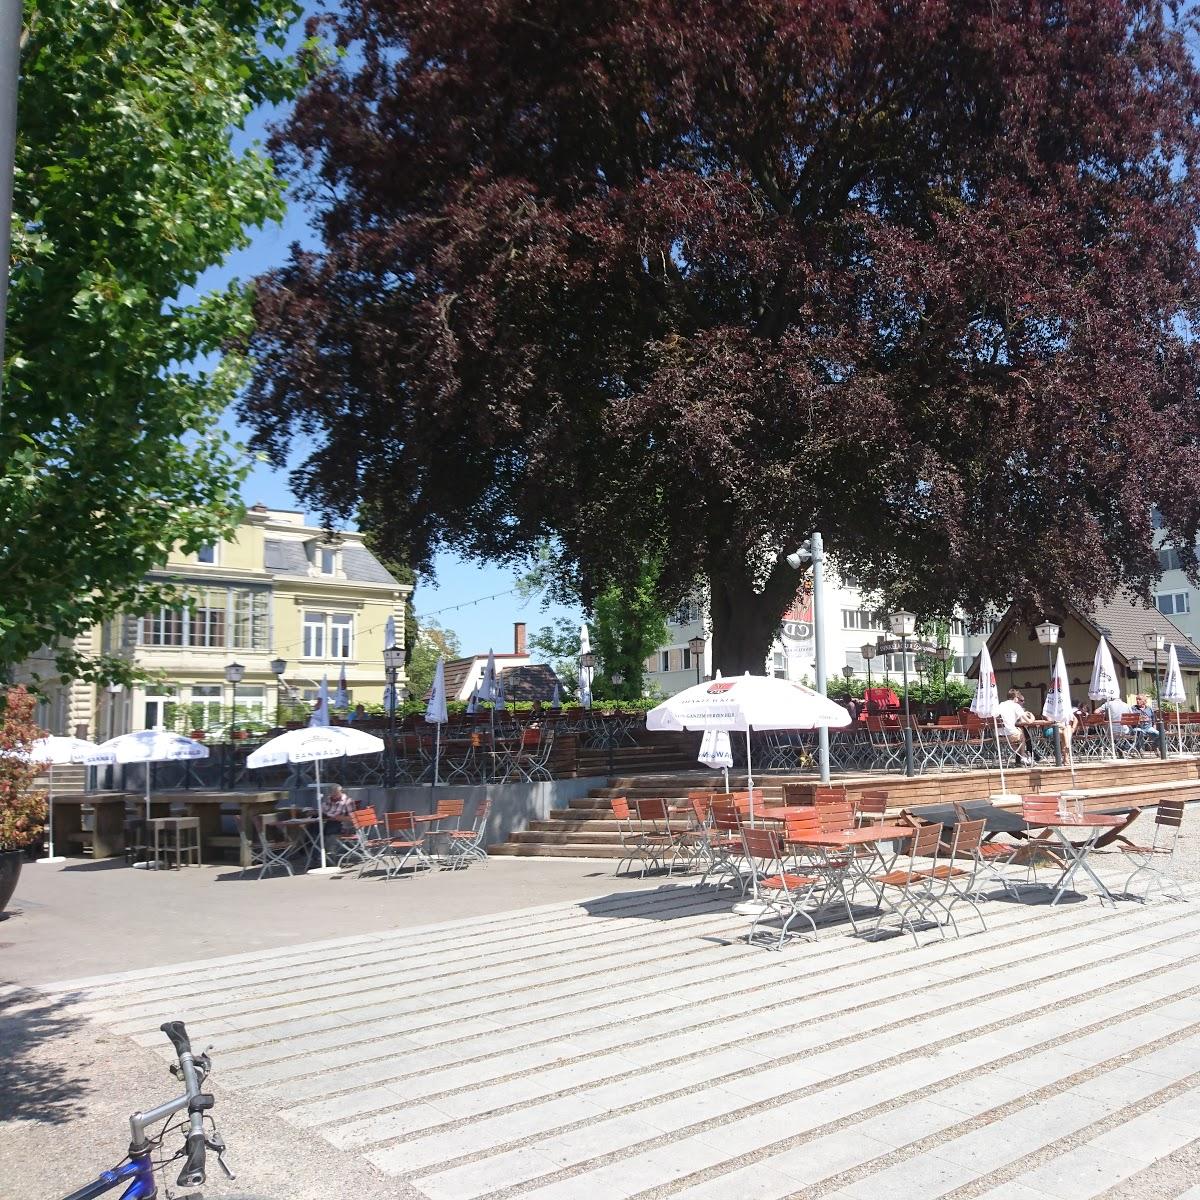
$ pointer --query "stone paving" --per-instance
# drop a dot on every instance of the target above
(632, 1045)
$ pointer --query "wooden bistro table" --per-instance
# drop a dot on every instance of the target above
(107, 835)
(206, 806)
(1076, 854)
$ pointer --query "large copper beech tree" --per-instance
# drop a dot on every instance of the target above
(698, 276)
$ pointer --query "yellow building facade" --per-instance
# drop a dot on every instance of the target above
(278, 593)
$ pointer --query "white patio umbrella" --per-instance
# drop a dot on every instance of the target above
(501, 698)
(716, 752)
(1172, 690)
(486, 691)
(151, 746)
(341, 698)
(556, 699)
(320, 714)
(1103, 685)
(389, 632)
(435, 712)
(473, 702)
(585, 673)
(985, 704)
(746, 703)
(57, 751)
(1058, 707)
(315, 744)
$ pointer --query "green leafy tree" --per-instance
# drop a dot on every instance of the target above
(127, 188)
(630, 623)
(432, 641)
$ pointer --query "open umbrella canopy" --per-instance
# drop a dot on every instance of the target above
(59, 750)
(314, 743)
(747, 702)
(153, 745)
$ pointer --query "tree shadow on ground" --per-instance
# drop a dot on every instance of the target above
(33, 1086)
(667, 902)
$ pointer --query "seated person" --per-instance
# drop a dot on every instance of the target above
(334, 806)
(1146, 734)
(1115, 711)
(1014, 719)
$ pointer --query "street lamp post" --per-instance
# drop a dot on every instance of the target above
(1137, 665)
(903, 624)
(1156, 642)
(868, 651)
(1010, 657)
(696, 646)
(278, 667)
(393, 660)
(234, 674)
(813, 551)
(1047, 634)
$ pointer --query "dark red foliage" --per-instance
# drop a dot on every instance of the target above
(705, 275)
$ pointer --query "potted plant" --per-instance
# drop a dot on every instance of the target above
(22, 803)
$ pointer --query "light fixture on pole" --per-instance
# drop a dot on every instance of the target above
(696, 646)
(944, 653)
(903, 626)
(1010, 657)
(1156, 642)
(813, 552)
(234, 674)
(1047, 634)
(868, 651)
(847, 672)
(393, 660)
(1137, 664)
(278, 667)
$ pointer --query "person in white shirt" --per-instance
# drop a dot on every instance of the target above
(1013, 717)
(1123, 736)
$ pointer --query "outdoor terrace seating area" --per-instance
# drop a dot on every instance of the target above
(839, 858)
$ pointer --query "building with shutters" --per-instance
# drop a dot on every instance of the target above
(277, 590)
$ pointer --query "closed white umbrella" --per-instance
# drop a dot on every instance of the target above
(487, 685)
(473, 702)
(435, 711)
(556, 699)
(341, 698)
(57, 751)
(585, 673)
(1058, 707)
(746, 703)
(315, 744)
(501, 698)
(985, 704)
(1172, 690)
(320, 714)
(151, 746)
(716, 752)
(1103, 685)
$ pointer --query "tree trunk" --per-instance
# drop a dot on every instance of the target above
(745, 622)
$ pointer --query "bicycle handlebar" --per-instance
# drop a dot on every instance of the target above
(198, 1102)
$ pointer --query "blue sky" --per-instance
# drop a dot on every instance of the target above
(483, 622)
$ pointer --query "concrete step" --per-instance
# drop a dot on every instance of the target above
(555, 850)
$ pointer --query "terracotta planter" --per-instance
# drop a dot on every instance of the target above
(10, 872)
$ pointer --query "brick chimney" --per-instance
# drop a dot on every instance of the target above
(519, 637)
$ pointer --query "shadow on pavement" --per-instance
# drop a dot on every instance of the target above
(33, 1086)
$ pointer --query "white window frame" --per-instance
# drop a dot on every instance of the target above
(215, 549)
(331, 551)
(1181, 603)
(341, 635)
(664, 661)
(318, 623)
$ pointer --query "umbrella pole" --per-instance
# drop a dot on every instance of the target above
(750, 780)
(147, 766)
(999, 757)
(320, 815)
(50, 818)
(1112, 740)
(1178, 740)
(437, 754)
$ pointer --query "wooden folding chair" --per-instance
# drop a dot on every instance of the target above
(1156, 860)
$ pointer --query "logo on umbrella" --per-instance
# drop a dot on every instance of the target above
(722, 685)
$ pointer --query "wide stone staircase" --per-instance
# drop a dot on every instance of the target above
(586, 829)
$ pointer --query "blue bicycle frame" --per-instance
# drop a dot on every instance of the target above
(140, 1173)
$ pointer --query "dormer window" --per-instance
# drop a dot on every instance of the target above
(207, 554)
(327, 559)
